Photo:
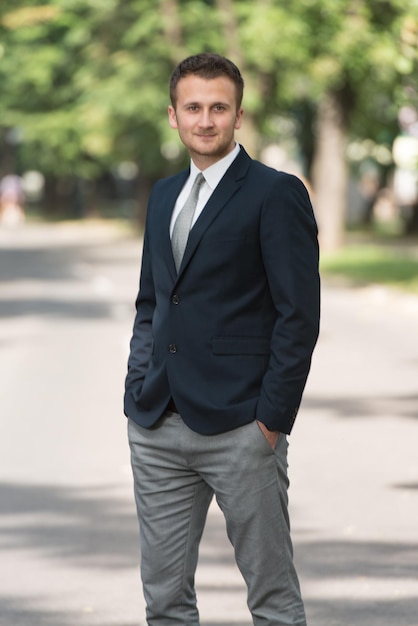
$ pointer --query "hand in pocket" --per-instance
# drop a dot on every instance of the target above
(272, 436)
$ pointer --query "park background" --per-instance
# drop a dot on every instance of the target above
(331, 95)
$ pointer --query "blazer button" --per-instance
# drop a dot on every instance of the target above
(172, 348)
(175, 299)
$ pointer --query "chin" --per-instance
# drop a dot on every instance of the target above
(210, 150)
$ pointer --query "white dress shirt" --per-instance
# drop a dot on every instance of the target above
(213, 176)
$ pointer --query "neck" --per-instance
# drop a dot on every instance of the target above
(203, 161)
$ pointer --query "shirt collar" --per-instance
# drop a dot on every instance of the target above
(215, 172)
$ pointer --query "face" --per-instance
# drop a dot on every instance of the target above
(206, 117)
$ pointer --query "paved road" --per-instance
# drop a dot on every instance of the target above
(68, 535)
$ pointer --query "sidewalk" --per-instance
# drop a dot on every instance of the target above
(68, 532)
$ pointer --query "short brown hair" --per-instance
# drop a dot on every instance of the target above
(207, 65)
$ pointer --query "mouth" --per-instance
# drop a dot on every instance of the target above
(205, 135)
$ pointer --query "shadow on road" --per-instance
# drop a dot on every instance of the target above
(362, 613)
(46, 264)
(29, 277)
(365, 406)
(51, 259)
(49, 307)
(95, 527)
(29, 613)
(89, 527)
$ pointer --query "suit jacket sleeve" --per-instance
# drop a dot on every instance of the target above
(288, 238)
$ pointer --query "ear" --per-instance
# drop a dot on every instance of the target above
(238, 119)
(172, 118)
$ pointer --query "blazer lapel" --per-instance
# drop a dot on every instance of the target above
(229, 184)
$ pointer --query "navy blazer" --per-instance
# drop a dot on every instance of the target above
(230, 337)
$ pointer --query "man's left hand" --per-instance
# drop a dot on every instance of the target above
(272, 436)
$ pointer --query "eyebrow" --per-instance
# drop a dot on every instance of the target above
(213, 104)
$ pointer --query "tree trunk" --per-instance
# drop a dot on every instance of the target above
(171, 24)
(330, 173)
(248, 134)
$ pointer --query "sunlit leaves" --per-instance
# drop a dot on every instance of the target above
(87, 79)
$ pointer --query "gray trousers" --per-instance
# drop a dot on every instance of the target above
(176, 472)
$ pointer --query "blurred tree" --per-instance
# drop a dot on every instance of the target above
(87, 81)
(361, 71)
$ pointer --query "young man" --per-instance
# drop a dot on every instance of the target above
(227, 319)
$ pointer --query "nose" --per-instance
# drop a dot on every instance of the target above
(205, 120)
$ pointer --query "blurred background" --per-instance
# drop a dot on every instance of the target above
(332, 96)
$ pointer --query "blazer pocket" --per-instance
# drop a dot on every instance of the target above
(241, 345)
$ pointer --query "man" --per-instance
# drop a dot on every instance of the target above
(220, 354)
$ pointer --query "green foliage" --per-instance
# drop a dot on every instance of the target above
(372, 264)
(86, 80)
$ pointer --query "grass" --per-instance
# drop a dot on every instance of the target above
(389, 264)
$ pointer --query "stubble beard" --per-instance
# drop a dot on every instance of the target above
(217, 151)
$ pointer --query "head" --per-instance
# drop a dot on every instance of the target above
(208, 66)
(206, 93)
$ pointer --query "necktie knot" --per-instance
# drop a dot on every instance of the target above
(184, 220)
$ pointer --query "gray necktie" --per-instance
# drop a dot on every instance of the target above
(183, 222)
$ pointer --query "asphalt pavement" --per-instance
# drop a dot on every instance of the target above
(68, 533)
